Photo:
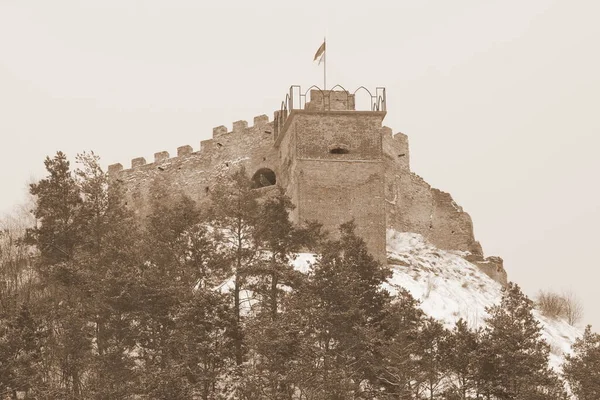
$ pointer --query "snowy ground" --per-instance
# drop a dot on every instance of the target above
(449, 288)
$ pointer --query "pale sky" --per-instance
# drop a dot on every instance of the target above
(500, 99)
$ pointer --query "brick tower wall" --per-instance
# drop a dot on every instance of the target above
(348, 183)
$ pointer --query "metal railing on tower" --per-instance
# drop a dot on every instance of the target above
(297, 99)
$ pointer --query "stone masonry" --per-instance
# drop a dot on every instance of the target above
(335, 163)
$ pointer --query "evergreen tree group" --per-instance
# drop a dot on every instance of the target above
(203, 302)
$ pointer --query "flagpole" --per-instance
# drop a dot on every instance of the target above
(325, 64)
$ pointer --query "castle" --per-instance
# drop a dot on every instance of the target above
(335, 163)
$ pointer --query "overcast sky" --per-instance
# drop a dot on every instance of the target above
(500, 99)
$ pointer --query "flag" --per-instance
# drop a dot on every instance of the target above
(320, 54)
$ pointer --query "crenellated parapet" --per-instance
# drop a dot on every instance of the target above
(220, 136)
(195, 171)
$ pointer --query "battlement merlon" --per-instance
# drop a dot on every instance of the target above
(161, 156)
(241, 126)
(184, 150)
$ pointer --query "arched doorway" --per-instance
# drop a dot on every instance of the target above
(264, 177)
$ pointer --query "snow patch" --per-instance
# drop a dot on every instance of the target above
(303, 262)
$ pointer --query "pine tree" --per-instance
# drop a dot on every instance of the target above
(234, 212)
(186, 327)
(109, 256)
(57, 236)
(341, 309)
(399, 372)
(431, 356)
(86, 240)
(279, 240)
(513, 357)
(582, 367)
(271, 343)
(57, 204)
(460, 351)
(163, 285)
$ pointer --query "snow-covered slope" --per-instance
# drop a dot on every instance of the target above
(449, 288)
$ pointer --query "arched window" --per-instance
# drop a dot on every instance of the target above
(264, 177)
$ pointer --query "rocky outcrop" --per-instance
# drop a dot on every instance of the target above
(493, 267)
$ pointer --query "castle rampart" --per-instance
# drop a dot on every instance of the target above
(336, 163)
(195, 173)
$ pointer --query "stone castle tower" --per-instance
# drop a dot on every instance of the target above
(336, 163)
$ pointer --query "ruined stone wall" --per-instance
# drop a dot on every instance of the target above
(336, 171)
(412, 205)
(195, 173)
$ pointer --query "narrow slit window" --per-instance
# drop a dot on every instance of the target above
(339, 150)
